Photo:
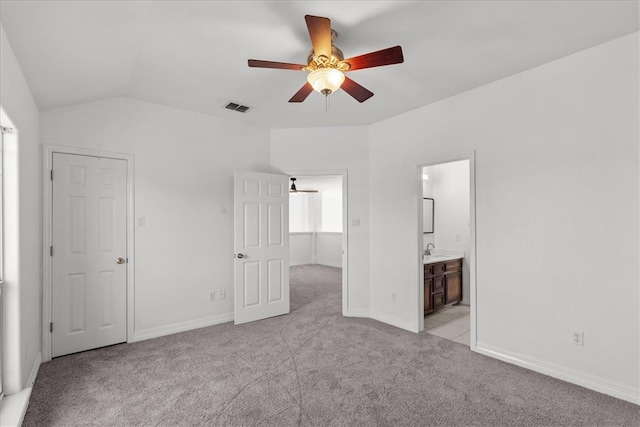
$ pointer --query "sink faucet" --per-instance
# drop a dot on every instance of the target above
(428, 250)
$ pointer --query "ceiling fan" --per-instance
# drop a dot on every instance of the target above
(294, 189)
(326, 63)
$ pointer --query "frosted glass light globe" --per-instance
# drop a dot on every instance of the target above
(325, 80)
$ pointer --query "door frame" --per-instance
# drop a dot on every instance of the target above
(471, 157)
(47, 215)
(345, 227)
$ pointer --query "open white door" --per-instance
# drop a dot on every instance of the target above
(261, 223)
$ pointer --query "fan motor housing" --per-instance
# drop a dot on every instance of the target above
(336, 61)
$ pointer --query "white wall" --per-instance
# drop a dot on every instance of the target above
(332, 210)
(449, 187)
(332, 149)
(300, 219)
(184, 165)
(557, 213)
(302, 248)
(329, 249)
(315, 247)
(319, 215)
(23, 270)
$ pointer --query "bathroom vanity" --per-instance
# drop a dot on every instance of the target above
(442, 281)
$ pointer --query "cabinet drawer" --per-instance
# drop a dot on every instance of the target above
(438, 284)
(438, 300)
(428, 271)
(439, 268)
(451, 266)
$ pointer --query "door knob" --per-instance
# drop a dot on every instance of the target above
(239, 256)
(120, 260)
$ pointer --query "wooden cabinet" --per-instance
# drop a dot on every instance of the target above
(454, 287)
(442, 284)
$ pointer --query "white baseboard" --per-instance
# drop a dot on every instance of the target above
(357, 312)
(34, 370)
(601, 385)
(337, 264)
(393, 321)
(14, 406)
(174, 328)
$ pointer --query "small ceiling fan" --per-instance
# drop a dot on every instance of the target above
(294, 189)
(326, 63)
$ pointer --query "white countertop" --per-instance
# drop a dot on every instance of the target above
(430, 259)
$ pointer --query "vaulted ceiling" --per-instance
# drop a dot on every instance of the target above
(193, 54)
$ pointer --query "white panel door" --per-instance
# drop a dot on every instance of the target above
(261, 246)
(89, 271)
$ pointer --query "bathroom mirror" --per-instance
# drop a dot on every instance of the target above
(427, 215)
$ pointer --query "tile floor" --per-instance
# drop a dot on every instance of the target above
(451, 323)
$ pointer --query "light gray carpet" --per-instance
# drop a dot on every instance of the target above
(311, 367)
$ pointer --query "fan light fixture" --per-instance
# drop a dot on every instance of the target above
(326, 80)
(326, 63)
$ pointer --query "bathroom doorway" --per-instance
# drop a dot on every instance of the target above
(447, 248)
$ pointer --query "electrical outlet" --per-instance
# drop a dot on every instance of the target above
(222, 293)
(578, 338)
(212, 296)
(393, 296)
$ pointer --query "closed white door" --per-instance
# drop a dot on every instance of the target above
(261, 246)
(89, 271)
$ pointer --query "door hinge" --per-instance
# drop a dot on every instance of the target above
(51, 175)
(51, 327)
(50, 250)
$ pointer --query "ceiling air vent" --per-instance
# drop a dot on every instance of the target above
(237, 107)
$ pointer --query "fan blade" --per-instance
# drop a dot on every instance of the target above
(392, 55)
(360, 93)
(320, 33)
(271, 64)
(302, 94)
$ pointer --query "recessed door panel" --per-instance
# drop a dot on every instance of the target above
(77, 225)
(105, 280)
(251, 187)
(251, 284)
(77, 175)
(275, 189)
(107, 223)
(76, 292)
(251, 225)
(107, 177)
(275, 275)
(275, 221)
